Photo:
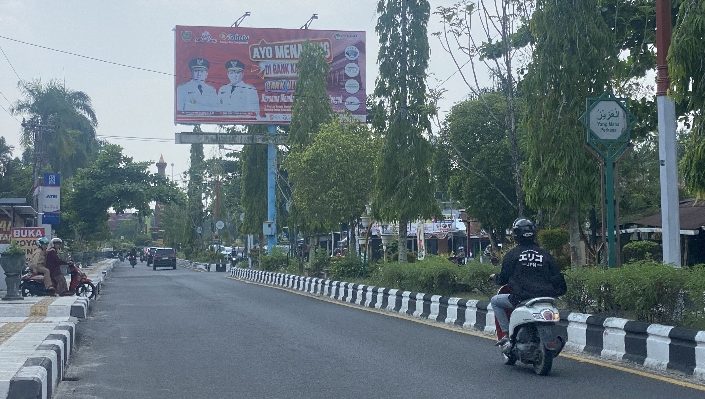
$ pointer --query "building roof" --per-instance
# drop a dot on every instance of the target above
(692, 216)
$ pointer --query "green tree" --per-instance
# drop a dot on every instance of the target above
(59, 127)
(254, 184)
(570, 62)
(482, 179)
(311, 107)
(115, 181)
(194, 196)
(688, 84)
(15, 175)
(492, 49)
(403, 187)
(332, 175)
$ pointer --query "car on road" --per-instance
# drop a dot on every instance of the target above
(164, 257)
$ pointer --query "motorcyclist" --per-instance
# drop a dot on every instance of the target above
(53, 263)
(38, 264)
(529, 270)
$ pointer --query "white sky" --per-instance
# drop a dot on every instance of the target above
(130, 102)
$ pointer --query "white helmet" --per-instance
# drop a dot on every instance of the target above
(56, 240)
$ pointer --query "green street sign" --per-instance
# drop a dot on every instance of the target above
(608, 124)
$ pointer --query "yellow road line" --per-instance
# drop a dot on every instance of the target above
(457, 329)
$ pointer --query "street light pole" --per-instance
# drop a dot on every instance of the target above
(668, 172)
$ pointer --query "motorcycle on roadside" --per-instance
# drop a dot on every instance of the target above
(533, 338)
(32, 284)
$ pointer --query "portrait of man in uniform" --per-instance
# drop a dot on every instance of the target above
(238, 96)
(196, 94)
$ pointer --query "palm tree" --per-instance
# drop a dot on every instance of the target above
(58, 126)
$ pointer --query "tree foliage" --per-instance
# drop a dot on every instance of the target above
(15, 175)
(254, 184)
(115, 181)
(332, 176)
(571, 62)
(688, 76)
(60, 125)
(478, 145)
(311, 107)
(403, 189)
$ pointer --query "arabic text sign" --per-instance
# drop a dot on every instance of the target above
(608, 120)
(242, 75)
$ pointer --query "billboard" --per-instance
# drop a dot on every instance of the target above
(248, 75)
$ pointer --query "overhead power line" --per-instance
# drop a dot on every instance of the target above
(84, 56)
(9, 63)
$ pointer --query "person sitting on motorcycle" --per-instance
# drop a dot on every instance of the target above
(529, 270)
(54, 263)
(38, 264)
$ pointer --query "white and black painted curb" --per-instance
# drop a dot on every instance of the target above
(45, 368)
(42, 372)
(653, 346)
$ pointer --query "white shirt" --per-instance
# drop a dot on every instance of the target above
(238, 97)
(195, 95)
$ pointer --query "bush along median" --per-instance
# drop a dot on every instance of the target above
(650, 290)
(647, 291)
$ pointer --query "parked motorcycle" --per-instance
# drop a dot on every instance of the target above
(133, 260)
(532, 333)
(32, 284)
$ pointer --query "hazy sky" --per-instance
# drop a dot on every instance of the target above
(137, 103)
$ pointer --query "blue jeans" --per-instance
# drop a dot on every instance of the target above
(500, 305)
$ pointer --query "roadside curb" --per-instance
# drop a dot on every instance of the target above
(652, 346)
(45, 366)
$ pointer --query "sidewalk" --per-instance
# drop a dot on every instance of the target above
(37, 335)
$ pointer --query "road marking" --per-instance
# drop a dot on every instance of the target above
(436, 324)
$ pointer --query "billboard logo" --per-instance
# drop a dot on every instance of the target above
(206, 38)
(187, 35)
(234, 38)
(345, 35)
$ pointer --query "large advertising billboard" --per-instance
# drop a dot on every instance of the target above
(249, 75)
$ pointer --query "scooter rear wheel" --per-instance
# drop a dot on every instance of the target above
(544, 361)
(87, 290)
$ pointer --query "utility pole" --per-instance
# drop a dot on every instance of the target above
(670, 212)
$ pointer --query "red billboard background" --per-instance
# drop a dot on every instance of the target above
(269, 58)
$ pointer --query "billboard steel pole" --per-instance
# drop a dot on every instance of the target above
(271, 189)
(668, 172)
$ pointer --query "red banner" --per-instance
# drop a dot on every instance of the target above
(249, 75)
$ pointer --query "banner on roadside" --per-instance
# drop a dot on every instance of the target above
(26, 238)
(236, 75)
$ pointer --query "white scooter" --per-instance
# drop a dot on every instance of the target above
(533, 338)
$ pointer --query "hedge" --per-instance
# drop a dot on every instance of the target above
(646, 290)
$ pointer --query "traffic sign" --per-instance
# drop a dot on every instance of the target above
(219, 225)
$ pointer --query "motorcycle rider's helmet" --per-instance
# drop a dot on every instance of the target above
(56, 240)
(523, 230)
(42, 242)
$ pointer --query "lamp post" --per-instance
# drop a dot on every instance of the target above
(239, 20)
(310, 20)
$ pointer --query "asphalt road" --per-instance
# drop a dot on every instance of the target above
(184, 334)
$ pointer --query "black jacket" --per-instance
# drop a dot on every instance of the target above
(531, 272)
